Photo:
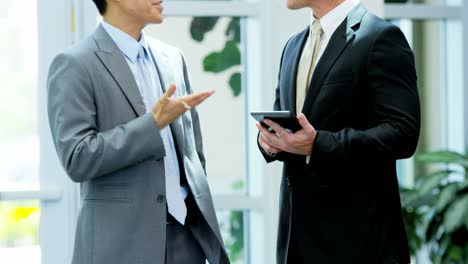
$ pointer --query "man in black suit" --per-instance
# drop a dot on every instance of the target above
(351, 79)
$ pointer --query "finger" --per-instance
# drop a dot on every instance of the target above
(270, 144)
(262, 129)
(186, 106)
(267, 147)
(277, 128)
(304, 122)
(271, 138)
(170, 91)
(197, 98)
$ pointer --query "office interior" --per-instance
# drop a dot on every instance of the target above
(39, 203)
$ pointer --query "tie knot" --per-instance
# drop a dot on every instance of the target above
(317, 28)
(141, 53)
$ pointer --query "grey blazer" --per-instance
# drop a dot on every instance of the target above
(107, 143)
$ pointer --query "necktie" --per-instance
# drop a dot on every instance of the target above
(148, 88)
(306, 64)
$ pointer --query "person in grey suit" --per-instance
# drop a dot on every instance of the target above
(134, 147)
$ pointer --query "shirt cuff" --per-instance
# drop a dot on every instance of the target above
(268, 153)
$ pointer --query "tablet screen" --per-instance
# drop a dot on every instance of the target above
(283, 118)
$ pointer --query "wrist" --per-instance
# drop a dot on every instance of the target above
(158, 121)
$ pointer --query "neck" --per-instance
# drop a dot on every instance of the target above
(130, 26)
(321, 8)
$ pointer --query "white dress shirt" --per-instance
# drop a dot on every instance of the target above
(330, 22)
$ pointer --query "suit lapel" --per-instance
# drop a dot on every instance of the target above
(114, 61)
(343, 35)
(292, 68)
(162, 63)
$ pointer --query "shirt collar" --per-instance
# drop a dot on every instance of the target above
(332, 20)
(128, 45)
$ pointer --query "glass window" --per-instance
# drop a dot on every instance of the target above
(232, 225)
(19, 238)
(19, 143)
(212, 48)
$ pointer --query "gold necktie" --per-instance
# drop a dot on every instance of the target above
(306, 64)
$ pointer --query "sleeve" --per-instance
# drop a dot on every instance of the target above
(85, 152)
(395, 108)
(195, 117)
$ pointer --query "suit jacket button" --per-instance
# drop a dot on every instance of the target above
(160, 198)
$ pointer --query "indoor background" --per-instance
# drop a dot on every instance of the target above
(233, 47)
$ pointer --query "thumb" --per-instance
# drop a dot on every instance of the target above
(170, 91)
(303, 121)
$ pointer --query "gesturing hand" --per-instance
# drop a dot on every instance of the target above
(300, 142)
(168, 109)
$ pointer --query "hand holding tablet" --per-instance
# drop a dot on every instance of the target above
(282, 118)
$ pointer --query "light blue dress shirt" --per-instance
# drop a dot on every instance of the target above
(130, 49)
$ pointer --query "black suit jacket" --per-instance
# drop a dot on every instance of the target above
(344, 206)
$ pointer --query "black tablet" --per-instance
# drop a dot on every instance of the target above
(284, 118)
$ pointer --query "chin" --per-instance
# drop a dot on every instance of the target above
(156, 20)
(291, 5)
(295, 4)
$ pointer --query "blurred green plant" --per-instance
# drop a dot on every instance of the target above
(229, 56)
(235, 242)
(19, 224)
(436, 209)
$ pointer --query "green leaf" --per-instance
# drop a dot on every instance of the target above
(440, 249)
(428, 183)
(202, 25)
(447, 195)
(217, 62)
(238, 185)
(456, 214)
(454, 253)
(443, 157)
(466, 225)
(236, 83)
(233, 30)
(433, 227)
(211, 62)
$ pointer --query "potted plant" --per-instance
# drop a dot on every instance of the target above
(436, 209)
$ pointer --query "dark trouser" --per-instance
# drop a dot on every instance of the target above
(181, 245)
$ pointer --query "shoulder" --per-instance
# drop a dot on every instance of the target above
(375, 28)
(78, 54)
(293, 42)
(297, 38)
(73, 63)
(83, 49)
